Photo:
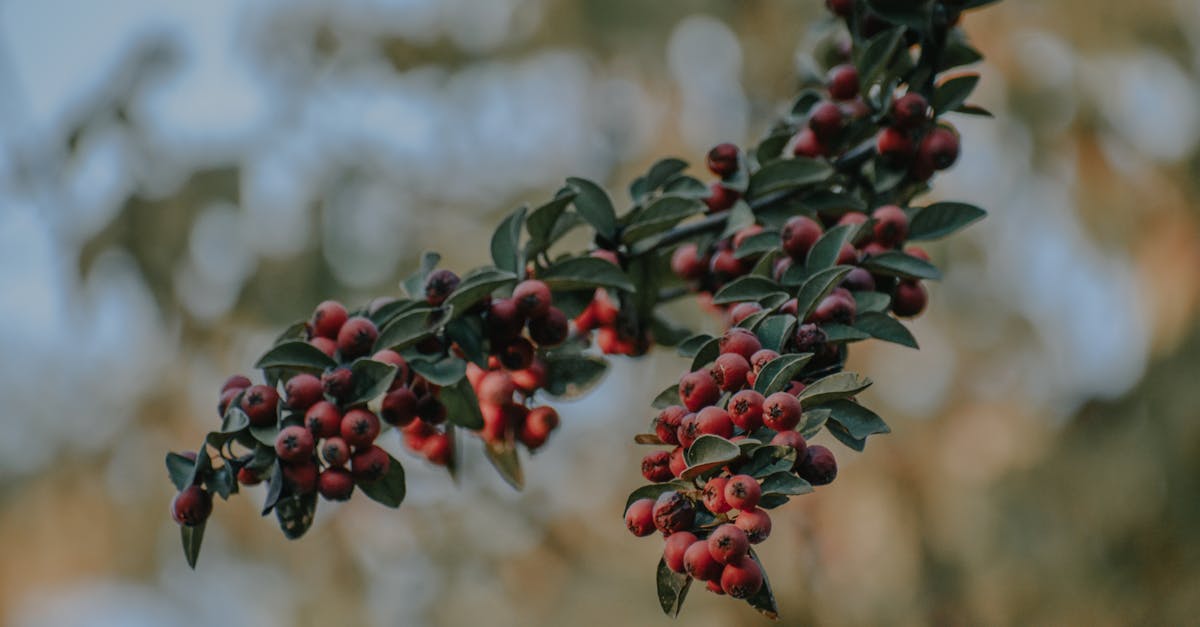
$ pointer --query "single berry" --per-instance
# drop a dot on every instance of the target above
(325, 345)
(673, 512)
(357, 337)
(741, 311)
(227, 398)
(338, 383)
(728, 544)
(688, 431)
(756, 523)
(677, 544)
(248, 477)
(261, 404)
(687, 263)
(819, 467)
(303, 391)
(781, 411)
(530, 379)
(294, 444)
(389, 356)
(835, 308)
(843, 82)
(431, 410)
(859, 280)
(399, 407)
(335, 451)
(720, 197)
(742, 578)
(666, 423)
(699, 562)
(798, 236)
(656, 467)
(810, 338)
(359, 427)
(678, 463)
(532, 298)
(713, 420)
(714, 586)
(697, 389)
(852, 217)
(746, 410)
(438, 285)
(939, 148)
(335, 484)
(722, 160)
(517, 355)
(894, 145)
(236, 382)
(639, 518)
(369, 464)
(742, 492)
(323, 420)
(301, 476)
(891, 225)
(538, 425)
(740, 341)
(806, 144)
(503, 321)
(551, 329)
(826, 121)
(191, 506)
(714, 495)
(726, 265)
(910, 111)
(792, 439)
(729, 371)
(496, 388)
(328, 319)
(909, 299)
(762, 358)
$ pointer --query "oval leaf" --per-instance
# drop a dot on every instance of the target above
(707, 453)
(788, 174)
(506, 243)
(389, 489)
(833, 387)
(407, 329)
(296, 355)
(816, 287)
(585, 272)
(371, 379)
(884, 327)
(462, 406)
(786, 483)
(778, 372)
(592, 202)
(941, 219)
(445, 371)
(672, 588)
(745, 288)
(477, 286)
(903, 265)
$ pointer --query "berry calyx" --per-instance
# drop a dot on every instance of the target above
(438, 285)
(357, 337)
(369, 464)
(714, 495)
(335, 451)
(323, 419)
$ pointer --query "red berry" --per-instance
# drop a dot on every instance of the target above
(666, 423)
(191, 506)
(301, 476)
(677, 544)
(826, 121)
(729, 371)
(538, 425)
(781, 411)
(894, 145)
(819, 466)
(551, 329)
(713, 420)
(338, 383)
(335, 451)
(687, 263)
(918, 252)
(227, 397)
(236, 382)
(530, 379)
(438, 285)
(852, 217)
(909, 299)
(496, 388)
(328, 319)
(370, 464)
(335, 484)
(742, 579)
(792, 439)
(843, 82)
(359, 427)
(294, 444)
(740, 341)
(605, 310)
(357, 337)
(325, 345)
(246, 476)
(688, 431)
(840, 8)
(726, 265)
(891, 225)
(261, 404)
(742, 492)
(323, 419)
(503, 321)
(678, 463)
(728, 544)
(656, 467)
(859, 280)
(910, 110)
(389, 356)
(835, 308)
(798, 236)
(722, 160)
(720, 197)
(762, 358)
(746, 410)
(639, 518)
(939, 148)
(532, 298)
(517, 355)
(741, 311)
(399, 407)
(438, 449)
(714, 495)
(303, 391)
(699, 562)
(714, 586)
(810, 338)
(756, 523)
(806, 144)
(697, 389)
(673, 512)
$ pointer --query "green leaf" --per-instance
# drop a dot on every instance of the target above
(707, 353)
(296, 514)
(877, 55)
(903, 265)
(192, 537)
(274, 488)
(385, 314)
(179, 469)
(884, 327)
(506, 461)
(871, 302)
(740, 216)
(745, 288)
(858, 421)
(778, 372)
(707, 453)
(811, 422)
(265, 434)
(816, 287)
(788, 174)
(467, 333)
(672, 588)
(771, 148)
(667, 333)
(758, 244)
(825, 252)
(771, 501)
(683, 185)
(570, 375)
(833, 387)
(840, 433)
(655, 490)
(414, 285)
(477, 286)
(838, 333)
(693, 344)
(769, 459)
(506, 243)
(954, 92)
(542, 221)
(462, 406)
(371, 379)
(957, 52)
(296, 355)
(447, 370)
(775, 330)
(585, 272)
(222, 482)
(235, 420)
(408, 328)
(202, 468)
(388, 489)
(660, 215)
(592, 202)
(667, 397)
(662, 171)
(912, 14)
(786, 483)
(970, 109)
(831, 203)
(295, 331)
(941, 219)
(764, 601)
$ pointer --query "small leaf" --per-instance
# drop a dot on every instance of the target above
(296, 514)
(295, 331)
(833, 387)
(771, 501)
(764, 601)
(842, 435)
(775, 331)
(840, 333)
(414, 285)
(386, 313)
(788, 174)
(235, 420)
(957, 52)
(912, 14)
(265, 434)
(825, 252)
(477, 286)
(877, 302)
(663, 170)
(506, 243)
(707, 453)
(666, 398)
(179, 469)
(672, 588)
(707, 353)
(592, 202)
(812, 421)
(389, 489)
(903, 265)
(660, 215)
(202, 468)
(740, 216)
(771, 148)
(467, 333)
(683, 185)
(222, 482)
(884, 327)
(462, 406)
(858, 421)
(816, 287)
(769, 459)
(504, 458)
(786, 483)
(655, 490)
(953, 92)
(758, 244)
(585, 272)
(274, 488)
(941, 219)
(570, 375)
(192, 537)
(296, 355)
(777, 373)
(693, 344)
(408, 329)
(371, 379)
(447, 370)
(747, 288)
(542, 221)
(877, 55)
(667, 333)
(970, 109)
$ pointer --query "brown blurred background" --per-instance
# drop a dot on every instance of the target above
(180, 180)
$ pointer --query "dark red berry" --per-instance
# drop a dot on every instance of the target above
(359, 427)
(666, 423)
(389, 356)
(781, 411)
(720, 197)
(532, 298)
(699, 562)
(687, 263)
(503, 322)
(335, 484)
(819, 467)
(551, 329)
(369, 464)
(357, 337)
(742, 492)
(191, 506)
(794, 440)
(741, 311)
(328, 319)
(722, 160)
(798, 236)
(399, 407)
(431, 410)
(835, 308)
(673, 512)
(248, 477)
(677, 544)
(338, 383)
(910, 111)
(227, 397)
(756, 523)
(859, 280)
(826, 121)
(538, 425)
(843, 82)
(261, 404)
(909, 299)
(728, 544)
(303, 391)
(697, 390)
(656, 467)
(517, 355)
(438, 285)
(729, 371)
(678, 463)
(301, 476)
(335, 451)
(323, 419)
(742, 579)
(891, 225)
(939, 148)
(294, 444)
(806, 144)
(894, 145)
(741, 341)
(496, 388)
(236, 382)
(810, 338)
(639, 518)
(714, 495)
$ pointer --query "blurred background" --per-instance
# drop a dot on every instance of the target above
(179, 180)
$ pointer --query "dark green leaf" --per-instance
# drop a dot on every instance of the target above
(764, 601)
(708, 452)
(667, 397)
(838, 333)
(506, 461)
(903, 265)
(744, 289)
(778, 372)
(816, 287)
(812, 421)
(771, 501)
(672, 588)
(877, 55)
(477, 286)
(831, 203)
(693, 344)
(871, 301)
(660, 215)
(941, 219)
(222, 482)
(833, 387)
(444, 371)
(707, 353)
(179, 469)
(541, 222)
(740, 216)
(296, 514)
(388, 489)
(683, 185)
(667, 333)
(385, 314)
(772, 147)
(506, 243)
(570, 375)
(912, 14)
(202, 468)
(662, 171)
(957, 53)
(585, 272)
(970, 109)
(592, 202)
(954, 92)
(885, 175)
(786, 483)
(825, 252)
(265, 434)
(295, 331)
(859, 421)
(274, 488)
(414, 285)
(296, 355)
(884, 327)
(462, 407)
(467, 333)
(769, 459)
(788, 174)
(842, 435)
(408, 329)
(758, 244)
(775, 331)
(371, 379)
(235, 420)
(192, 537)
